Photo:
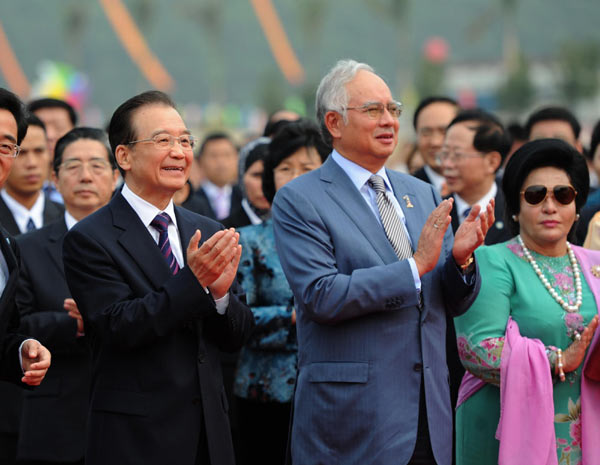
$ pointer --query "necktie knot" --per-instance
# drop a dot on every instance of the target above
(377, 183)
(466, 213)
(30, 225)
(161, 222)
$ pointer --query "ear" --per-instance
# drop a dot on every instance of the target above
(334, 122)
(122, 156)
(579, 146)
(493, 159)
(53, 176)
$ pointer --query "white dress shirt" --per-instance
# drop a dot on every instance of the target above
(462, 205)
(22, 215)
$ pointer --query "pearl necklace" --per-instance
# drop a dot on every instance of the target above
(544, 280)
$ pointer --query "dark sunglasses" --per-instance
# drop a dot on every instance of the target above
(537, 194)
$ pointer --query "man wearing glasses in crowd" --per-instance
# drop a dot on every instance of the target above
(156, 313)
(374, 269)
(22, 360)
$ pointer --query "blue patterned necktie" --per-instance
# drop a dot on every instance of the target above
(161, 223)
(30, 225)
(394, 230)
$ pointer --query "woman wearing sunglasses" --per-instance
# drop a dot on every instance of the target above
(525, 340)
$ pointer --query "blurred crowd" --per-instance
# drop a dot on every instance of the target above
(276, 330)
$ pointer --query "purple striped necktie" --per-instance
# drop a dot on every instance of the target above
(161, 223)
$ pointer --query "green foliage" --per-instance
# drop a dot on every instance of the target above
(517, 92)
(578, 63)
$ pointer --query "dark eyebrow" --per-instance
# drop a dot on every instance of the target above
(10, 138)
(164, 131)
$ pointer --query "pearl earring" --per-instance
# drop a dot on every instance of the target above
(577, 217)
(515, 219)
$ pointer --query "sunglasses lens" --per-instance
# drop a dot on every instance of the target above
(564, 194)
(535, 194)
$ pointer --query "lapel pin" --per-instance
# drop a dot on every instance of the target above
(408, 202)
(596, 270)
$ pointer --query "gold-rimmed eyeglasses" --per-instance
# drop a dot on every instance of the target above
(165, 141)
(375, 110)
(9, 149)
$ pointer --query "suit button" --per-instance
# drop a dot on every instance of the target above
(418, 367)
(196, 401)
(201, 358)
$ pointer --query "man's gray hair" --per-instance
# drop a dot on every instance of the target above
(332, 95)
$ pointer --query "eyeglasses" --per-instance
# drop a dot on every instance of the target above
(534, 195)
(455, 156)
(165, 141)
(375, 109)
(96, 165)
(8, 149)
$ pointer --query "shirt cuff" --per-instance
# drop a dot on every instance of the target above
(222, 304)
(415, 273)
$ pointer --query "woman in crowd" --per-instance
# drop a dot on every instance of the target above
(254, 207)
(266, 372)
(525, 339)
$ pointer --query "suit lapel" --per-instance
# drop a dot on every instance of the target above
(56, 235)
(137, 241)
(351, 202)
(7, 219)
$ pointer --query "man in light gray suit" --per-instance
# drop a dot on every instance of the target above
(374, 270)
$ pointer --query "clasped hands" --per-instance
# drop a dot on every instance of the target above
(467, 238)
(215, 262)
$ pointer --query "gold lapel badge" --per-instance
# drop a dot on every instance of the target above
(409, 203)
(596, 270)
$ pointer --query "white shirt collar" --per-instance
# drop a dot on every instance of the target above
(357, 174)
(21, 214)
(212, 190)
(70, 220)
(145, 210)
(462, 205)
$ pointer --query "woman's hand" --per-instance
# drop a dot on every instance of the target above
(574, 355)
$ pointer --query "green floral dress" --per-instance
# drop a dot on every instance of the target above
(510, 287)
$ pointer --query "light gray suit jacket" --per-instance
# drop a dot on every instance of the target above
(365, 340)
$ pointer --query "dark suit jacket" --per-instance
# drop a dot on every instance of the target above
(366, 338)
(422, 175)
(499, 232)
(156, 380)
(54, 415)
(10, 369)
(206, 209)
(52, 211)
(237, 218)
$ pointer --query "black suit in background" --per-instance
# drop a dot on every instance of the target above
(52, 211)
(422, 175)
(10, 395)
(206, 209)
(54, 415)
(157, 394)
(10, 369)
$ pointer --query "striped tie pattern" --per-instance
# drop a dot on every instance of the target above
(161, 223)
(394, 230)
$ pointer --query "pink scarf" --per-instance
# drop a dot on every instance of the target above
(590, 390)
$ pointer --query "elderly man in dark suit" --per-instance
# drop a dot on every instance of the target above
(22, 361)
(53, 420)
(374, 270)
(155, 286)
